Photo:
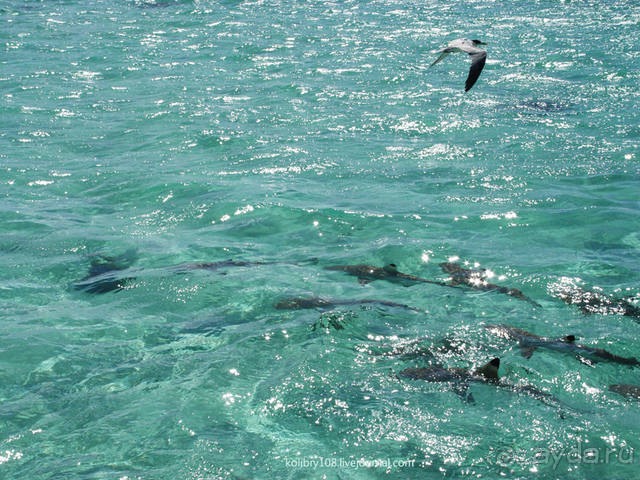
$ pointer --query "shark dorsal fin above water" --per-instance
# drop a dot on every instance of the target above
(390, 268)
(490, 370)
(570, 339)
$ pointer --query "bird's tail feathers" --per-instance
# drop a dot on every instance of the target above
(441, 57)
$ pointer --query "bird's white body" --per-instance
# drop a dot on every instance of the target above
(463, 45)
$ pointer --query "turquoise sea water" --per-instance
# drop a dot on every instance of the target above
(199, 131)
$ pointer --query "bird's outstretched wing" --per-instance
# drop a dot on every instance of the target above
(477, 64)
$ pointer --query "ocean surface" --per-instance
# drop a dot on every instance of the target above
(290, 136)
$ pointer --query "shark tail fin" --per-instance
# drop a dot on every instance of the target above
(526, 352)
(460, 389)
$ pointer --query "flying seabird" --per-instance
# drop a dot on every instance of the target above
(478, 57)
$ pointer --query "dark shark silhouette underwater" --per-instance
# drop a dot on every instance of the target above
(477, 280)
(459, 277)
(528, 343)
(369, 273)
(108, 273)
(596, 302)
(460, 378)
(629, 391)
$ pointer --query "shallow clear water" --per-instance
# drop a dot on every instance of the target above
(199, 131)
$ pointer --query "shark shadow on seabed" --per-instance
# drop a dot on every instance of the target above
(301, 303)
(543, 106)
(105, 273)
(416, 349)
(222, 264)
(332, 319)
